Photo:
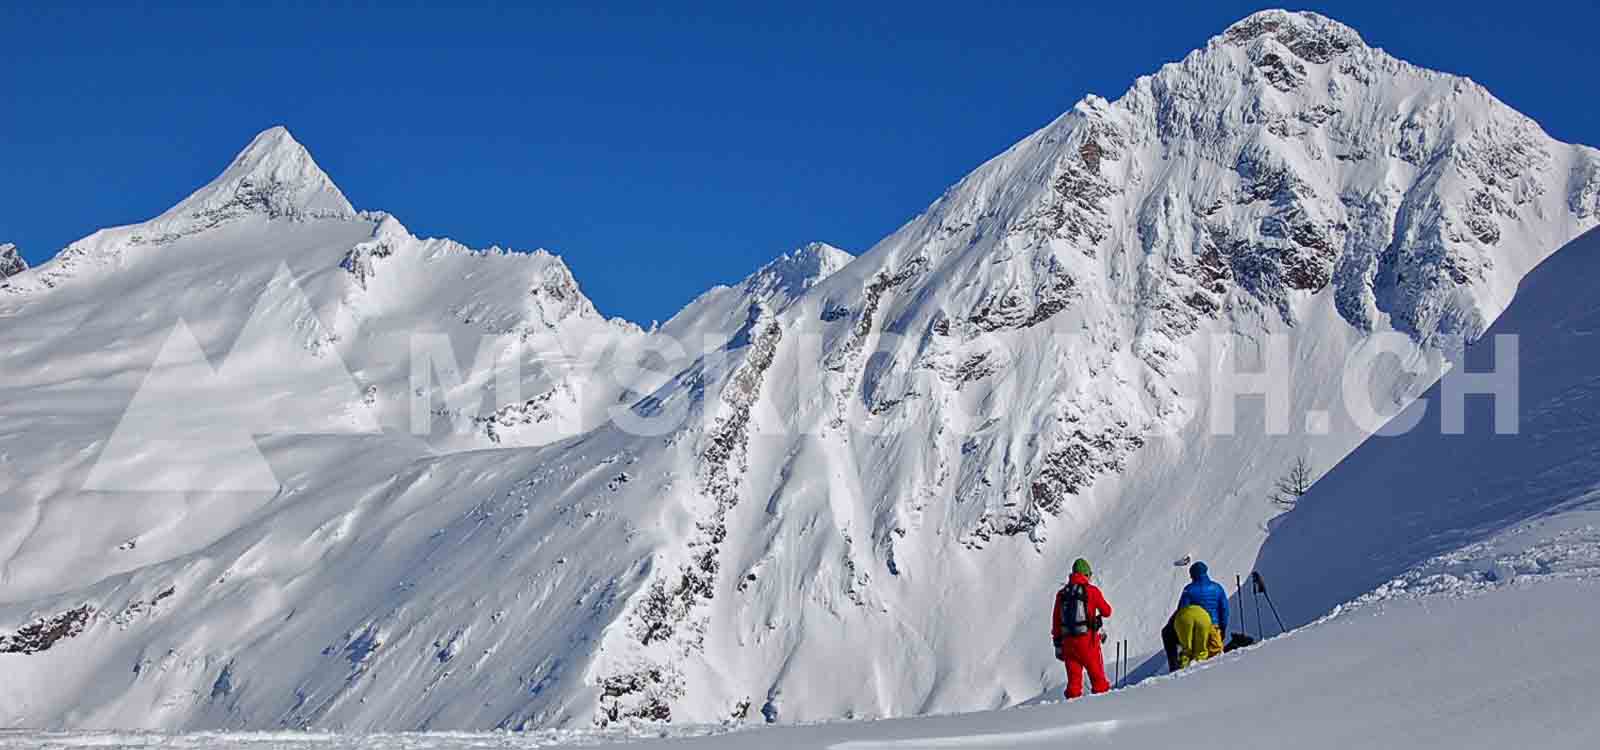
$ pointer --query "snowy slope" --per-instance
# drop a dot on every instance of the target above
(1381, 677)
(838, 488)
(215, 485)
(1418, 498)
(272, 313)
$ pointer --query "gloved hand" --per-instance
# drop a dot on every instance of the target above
(1102, 637)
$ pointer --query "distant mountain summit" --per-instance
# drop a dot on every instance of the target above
(773, 287)
(274, 176)
(792, 273)
(839, 487)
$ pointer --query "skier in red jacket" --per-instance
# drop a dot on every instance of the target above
(1080, 609)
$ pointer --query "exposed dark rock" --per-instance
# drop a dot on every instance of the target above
(1077, 212)
(44, 633)
(11, 262)
(1014, 311)
(1069, 469)
(1585, 188)
(1311, 38)
(361, 259)
(535, 410)
(664, 610)
(649, 690)
(1284, 74)
(871, 298)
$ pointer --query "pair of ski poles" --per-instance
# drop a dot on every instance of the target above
(1258, 591)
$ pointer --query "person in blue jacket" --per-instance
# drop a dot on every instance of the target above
(1208, 595)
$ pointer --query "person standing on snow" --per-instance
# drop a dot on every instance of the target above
(1079, 613)
(1210, 596)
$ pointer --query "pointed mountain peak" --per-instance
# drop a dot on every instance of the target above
(273, 176)
(1311, 37)
(773, 287)
(797, 270)
(825, 253)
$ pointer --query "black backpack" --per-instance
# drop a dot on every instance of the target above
(1075, 610)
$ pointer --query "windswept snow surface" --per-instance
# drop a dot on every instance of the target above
(840, 488)
(1511, 668)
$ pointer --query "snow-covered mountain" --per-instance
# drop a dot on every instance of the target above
(1427, 546)
(838, 488)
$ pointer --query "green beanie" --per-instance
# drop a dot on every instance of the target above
(1082, 566)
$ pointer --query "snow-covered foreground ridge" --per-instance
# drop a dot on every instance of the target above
(842, 487)
(1393, 682)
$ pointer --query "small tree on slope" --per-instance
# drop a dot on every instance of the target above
(1291, 486)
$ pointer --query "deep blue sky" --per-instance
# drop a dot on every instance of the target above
(658, 150)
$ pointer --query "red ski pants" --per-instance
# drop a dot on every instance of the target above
(1081, 652)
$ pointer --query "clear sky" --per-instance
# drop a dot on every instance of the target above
(659, 147)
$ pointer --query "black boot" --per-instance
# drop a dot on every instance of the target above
(1169, 642)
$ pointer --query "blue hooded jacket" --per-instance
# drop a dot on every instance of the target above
(1208, 595)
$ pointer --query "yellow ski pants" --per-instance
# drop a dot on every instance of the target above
(1197, 636)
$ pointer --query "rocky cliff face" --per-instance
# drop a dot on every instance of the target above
(1284, 163)
(11, 262)
(851, 488)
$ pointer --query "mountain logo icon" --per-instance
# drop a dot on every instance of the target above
(191, 427)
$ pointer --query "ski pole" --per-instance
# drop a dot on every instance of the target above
(1238, 589)
(1255, 596)
(1261, 586)
(1117, 667)
(1281, 628)
(1125, 660)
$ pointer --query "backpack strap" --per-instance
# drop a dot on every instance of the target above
(1075, 616)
